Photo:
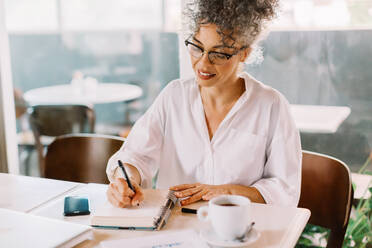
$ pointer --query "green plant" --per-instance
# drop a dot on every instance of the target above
(313, 236)
(359, 230)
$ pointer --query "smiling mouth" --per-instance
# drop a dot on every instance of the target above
(205, 75)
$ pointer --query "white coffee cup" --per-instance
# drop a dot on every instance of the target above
(228, 214)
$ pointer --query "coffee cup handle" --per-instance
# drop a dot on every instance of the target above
(203, 213)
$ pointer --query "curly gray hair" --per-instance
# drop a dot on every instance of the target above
(238, 20)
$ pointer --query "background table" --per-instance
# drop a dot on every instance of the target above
(308, 118)
(278, 226)
(68, 94)
(319, 118)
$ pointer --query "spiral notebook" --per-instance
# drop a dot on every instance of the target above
(151, 214)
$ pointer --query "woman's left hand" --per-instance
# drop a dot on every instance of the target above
(198, 191)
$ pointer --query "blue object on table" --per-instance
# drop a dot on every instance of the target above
(75, 205)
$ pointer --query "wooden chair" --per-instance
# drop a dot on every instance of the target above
(327, 191)
(81, 157)
(56, 120)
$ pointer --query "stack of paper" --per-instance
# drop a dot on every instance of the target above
(26, 230)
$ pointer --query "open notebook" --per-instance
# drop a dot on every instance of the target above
(26, 230)
(151, 214)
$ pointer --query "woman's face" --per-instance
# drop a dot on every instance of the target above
(211, 74)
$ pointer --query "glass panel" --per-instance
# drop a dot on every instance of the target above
(31, 16)
(119, 42)
(320, 55)
(325, 14)
(111, 14)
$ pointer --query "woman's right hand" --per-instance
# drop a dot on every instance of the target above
(120, 195)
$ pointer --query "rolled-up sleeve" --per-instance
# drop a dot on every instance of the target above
(143, 144)
(281, 180)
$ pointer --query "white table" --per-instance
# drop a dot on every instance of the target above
(22, 193)
(68, 94)
(318, 118)
(278, 226)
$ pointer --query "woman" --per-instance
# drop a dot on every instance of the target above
(220, 132)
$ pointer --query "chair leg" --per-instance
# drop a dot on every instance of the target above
(27, 162)
(22, 153)
(336, 238)
(25, 154)
(40, 153)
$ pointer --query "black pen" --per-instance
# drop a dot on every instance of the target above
(126, 175)
(189, 210)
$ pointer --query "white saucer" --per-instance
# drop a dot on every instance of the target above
(212, 238)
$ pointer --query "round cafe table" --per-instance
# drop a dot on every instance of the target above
(69, 94)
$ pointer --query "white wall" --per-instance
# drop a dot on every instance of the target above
(8, 137)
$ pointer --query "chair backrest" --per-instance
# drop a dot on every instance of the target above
(55, 120)
(327, 191)
(81, 157)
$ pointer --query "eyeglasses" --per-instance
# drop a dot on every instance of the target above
(216, 58)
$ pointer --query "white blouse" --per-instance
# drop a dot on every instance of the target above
(257, 143)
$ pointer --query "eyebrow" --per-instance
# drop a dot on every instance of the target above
(217, 46)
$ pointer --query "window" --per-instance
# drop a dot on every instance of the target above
(91, 15)
(117, 41)
(31, 16)
(111, 14)
(325, 14)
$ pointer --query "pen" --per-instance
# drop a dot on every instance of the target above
(189, 210)
(126, 175)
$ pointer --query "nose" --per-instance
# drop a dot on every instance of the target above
(204, 59)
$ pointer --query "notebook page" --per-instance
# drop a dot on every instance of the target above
(150, 207)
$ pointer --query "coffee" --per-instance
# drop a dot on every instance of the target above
(229, 215)
(228, 205)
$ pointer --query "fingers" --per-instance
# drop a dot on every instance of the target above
(194, 191)
(214, 192)
(120, 197)
(208, 196)
(193, 198)
(138, 197)
(188, 192)
(119, 194)
(111, 198)
(184, 186)
(117, 200)
(122, 187)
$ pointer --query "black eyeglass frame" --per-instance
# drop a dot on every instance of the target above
(228, 56)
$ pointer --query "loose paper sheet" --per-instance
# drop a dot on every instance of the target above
(181, 239)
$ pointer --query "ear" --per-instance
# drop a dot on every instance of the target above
(245, 53)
